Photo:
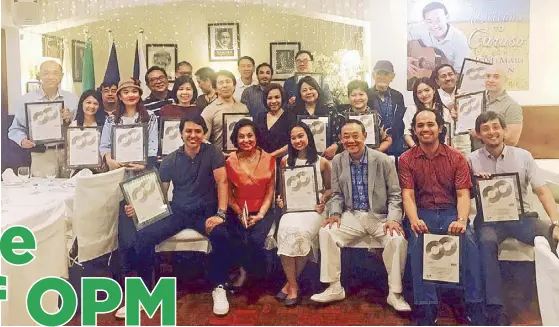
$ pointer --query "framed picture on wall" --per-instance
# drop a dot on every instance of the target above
(224, 41)
(164, 56)
(282, 58)
(53, 46)
(78, 49)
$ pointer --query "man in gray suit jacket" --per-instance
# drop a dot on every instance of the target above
(366, 201)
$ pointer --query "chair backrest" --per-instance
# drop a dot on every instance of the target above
(547, 282)
(95, 216)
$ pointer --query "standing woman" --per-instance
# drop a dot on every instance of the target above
(251, 175)
(89, 112)
(274, 124)
(310, 101)
(298, 232)
(185, 93)
(425, 97)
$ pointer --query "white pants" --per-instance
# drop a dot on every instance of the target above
(51, 158)
(355, 225)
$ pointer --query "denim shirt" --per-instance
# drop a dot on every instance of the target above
(360, 183)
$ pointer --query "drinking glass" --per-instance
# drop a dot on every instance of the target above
(50, 174)
(23, 173)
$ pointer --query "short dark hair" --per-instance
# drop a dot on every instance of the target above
(99, 115)
(247, 58)
(270, 87)
(440, 123)
(486, 116)
(434, 6)
(265, 64)
(240, 124)
(184, 80)
(357, 84)
(205, 73)
(299, 103)
(108, 84)
(152, 69)
(435, 74)
(300, 52)
(228, 74)
(355, 121)
(183, 63)
(194, 118)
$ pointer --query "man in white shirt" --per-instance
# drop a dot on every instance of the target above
(246, 69)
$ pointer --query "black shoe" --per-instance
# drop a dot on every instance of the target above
(292, 302)
(496, 316)
(281, 296)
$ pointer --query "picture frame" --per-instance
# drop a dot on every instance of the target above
(78, 50)
(145, 194)
(372, 127)
(229, 121)
(130, 143)
(319, 77)
(448, 136)
(164, 56)
(468, 107)
(442, 260)
(44, 121)
(82, 147)
(53, 46)
(472, 76)
(32, 86)
(224, 41)
(301, 181)
(169, 135)
(499, 198)
(320, 127)
(282, 59)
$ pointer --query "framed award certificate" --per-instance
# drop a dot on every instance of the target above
(499, 198)
(442, 259)
(300, 188)
(44, 121)
(82, 147)
(469, 107)
(229, 121)
(318, 77)
(144, 193)
(320, 128)
(169, 135)
(472, 76)
(371, 122)
(130, 143)
(448, 136)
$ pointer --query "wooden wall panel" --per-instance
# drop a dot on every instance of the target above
(540, 131)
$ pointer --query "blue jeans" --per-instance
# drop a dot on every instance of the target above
(438, 221)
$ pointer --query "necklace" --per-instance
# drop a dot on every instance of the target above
(251, 159)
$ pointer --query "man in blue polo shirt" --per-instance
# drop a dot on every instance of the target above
(197, 171)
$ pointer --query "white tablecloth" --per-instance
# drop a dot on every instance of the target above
(44, 214)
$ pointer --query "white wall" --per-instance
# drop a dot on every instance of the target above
(389, 41)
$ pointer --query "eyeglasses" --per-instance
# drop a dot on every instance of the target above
(161, 78)
(304, 61)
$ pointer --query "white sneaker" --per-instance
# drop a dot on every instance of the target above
(330, 294)
(221, 305)
(121, 313)
(398, 302)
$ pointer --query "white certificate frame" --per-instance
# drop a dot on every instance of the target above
(169, 132)
(229, 121)
(145, 194)
(46, 113)
(306, 188)
(372, 127)
(442, 259)
(472, 76)
(495, 194)
(321, 132)
(133, 129)
(87, 138)
(468, 107)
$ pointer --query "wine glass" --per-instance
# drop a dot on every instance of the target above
(23, 173)
(50, 174)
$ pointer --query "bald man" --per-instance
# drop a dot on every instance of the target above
(44, 157)
(500, 102)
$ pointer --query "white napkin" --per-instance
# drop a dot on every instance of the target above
(9, 176)
(81, 173)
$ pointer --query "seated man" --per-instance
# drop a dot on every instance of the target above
(495, 158)
(366, 200)
(197, 171)
(436, 183)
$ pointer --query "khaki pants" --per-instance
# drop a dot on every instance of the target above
(51, 158)
(462, 143)
(355, 225)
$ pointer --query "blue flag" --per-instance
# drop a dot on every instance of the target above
(136, 74)
(112, 74)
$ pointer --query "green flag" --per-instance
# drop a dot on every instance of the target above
(88, 73)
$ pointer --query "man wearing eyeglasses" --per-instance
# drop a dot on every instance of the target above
(108, 95)
(44, 157)
(158, 83)
(303, 63)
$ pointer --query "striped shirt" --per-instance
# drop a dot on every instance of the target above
(253, 98)
(360, 182)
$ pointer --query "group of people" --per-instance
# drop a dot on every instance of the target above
(410, 183)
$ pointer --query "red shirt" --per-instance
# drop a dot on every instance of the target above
(434, 180)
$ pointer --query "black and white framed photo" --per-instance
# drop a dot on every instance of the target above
(282, 59)
(442, 259)
(32, 86)
(144, 193)
(372, 127)
(44, 121)
(229, 122)
(299, 188)
(468, 107)
(130, 143)
(164, 56)
(78, 50)
(224, 41)
(499, 197)
(82, 147)
(320, 128)
(169, 135)
(472, 76)
(53, 47)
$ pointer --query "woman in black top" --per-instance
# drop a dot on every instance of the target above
(274, 125)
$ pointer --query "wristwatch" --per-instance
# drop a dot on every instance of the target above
(221, 214)
(465, 221)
